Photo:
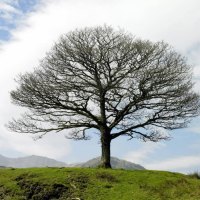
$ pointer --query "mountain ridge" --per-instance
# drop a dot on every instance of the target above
(41, 161)
(116, 163)
(30, 161)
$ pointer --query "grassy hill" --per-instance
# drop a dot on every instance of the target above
(98, 184)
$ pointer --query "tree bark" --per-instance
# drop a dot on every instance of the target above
(105, 147)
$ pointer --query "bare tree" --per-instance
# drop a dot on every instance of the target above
(108, 81)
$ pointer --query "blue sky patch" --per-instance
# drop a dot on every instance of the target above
(11, 12)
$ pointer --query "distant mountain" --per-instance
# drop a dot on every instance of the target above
(115, 163)
(39, 161)
(30, 161)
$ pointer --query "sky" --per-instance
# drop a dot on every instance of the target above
(29, 28)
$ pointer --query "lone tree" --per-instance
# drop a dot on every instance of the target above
(99, 78)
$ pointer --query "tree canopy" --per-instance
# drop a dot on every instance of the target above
(107, 80)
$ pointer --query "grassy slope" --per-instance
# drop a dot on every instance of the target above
(98, 184)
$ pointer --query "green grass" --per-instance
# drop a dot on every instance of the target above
(96, 184)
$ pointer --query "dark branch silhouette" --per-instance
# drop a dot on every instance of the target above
(98, 78)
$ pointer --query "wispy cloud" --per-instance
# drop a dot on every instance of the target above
(13, 2)
(8, 11)
(52, 146)
(182, 163)
(8, 8)
(12, 13)
(141, 155)
(144, 156)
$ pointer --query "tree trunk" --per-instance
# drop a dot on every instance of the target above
(105, 147)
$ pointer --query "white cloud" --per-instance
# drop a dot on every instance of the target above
(52, 146)
(152, 19)
(13, 2)
(144, 152)
(8, 8)
(7, 11)
(182, 163)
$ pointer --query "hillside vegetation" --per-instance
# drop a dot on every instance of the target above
(96, 184)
